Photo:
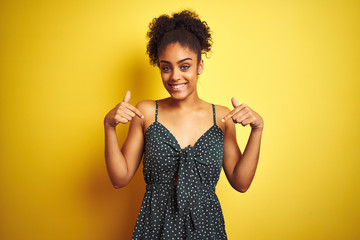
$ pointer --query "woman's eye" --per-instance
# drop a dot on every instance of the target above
(165, 69)
(185, 67)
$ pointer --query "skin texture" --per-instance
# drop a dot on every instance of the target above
(187, 117)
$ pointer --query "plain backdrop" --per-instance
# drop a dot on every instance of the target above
(65, 64)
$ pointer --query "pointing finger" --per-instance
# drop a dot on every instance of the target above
(129, 112)
(229, 115)
(236, 109)
(135, 110)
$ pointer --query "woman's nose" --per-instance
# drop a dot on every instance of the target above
(176, 75)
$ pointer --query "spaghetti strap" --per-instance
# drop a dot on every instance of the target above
(156, 111)
(192, 202)
(214, 115)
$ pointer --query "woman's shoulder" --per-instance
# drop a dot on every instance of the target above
(149, 105)
(145, 103)
(222, 110)
(146, 106)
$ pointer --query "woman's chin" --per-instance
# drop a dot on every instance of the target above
(178, 95)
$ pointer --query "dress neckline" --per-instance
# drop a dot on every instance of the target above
(173, 136)
(175, 139)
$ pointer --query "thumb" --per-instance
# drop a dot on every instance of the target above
(127, 97)
(234, 102)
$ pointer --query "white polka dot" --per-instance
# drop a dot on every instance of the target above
(190, 210)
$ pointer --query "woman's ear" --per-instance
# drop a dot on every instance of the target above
(201, 67)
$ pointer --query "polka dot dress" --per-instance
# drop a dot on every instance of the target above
(190, 209)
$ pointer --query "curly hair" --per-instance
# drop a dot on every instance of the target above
(184, 27)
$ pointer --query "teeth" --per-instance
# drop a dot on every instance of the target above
(177, 86)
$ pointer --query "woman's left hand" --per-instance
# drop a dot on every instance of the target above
(244, 115)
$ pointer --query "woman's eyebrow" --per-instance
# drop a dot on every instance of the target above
(177, 62)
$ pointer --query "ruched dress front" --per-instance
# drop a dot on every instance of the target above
(190, 209)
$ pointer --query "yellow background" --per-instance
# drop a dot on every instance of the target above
(65, 64)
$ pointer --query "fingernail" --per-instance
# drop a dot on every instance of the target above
(223, 120)
(142, 116)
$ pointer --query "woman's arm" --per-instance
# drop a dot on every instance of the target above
(240, 168)
(122, 164)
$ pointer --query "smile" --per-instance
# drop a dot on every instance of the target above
(177, 86)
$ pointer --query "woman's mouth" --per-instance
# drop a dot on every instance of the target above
(177, 86)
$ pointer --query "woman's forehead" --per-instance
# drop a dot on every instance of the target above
(175, 52)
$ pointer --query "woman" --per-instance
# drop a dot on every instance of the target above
(185, 140)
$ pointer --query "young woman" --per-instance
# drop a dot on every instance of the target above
(185, 140)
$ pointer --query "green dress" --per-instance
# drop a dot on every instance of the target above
(190, 210)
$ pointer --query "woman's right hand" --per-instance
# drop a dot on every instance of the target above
(123, 112)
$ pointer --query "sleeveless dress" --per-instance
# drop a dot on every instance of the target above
(190, 210)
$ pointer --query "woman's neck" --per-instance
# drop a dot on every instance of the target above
(187, 103)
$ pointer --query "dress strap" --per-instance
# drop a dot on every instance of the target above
(214, 115)
(156, 111)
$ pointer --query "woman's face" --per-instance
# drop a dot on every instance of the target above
(179, 70)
